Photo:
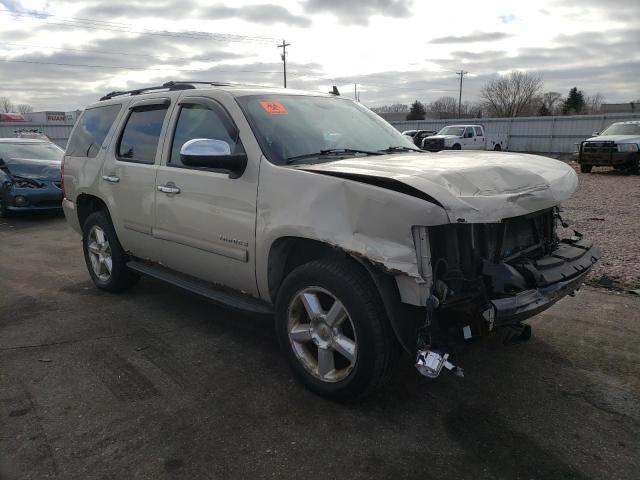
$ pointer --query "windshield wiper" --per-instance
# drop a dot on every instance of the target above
(330, 152)
(400, 149)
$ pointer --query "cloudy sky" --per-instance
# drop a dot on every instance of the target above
(63, 54)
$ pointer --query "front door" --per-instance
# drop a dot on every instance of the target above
(205, 220)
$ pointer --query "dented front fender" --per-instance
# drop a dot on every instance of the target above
(362, 219)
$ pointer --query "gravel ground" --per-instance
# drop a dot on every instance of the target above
(158, 384)
(605, 209)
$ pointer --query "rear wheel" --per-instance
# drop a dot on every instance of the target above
(333, 329)
(497, 148)
(634, 168)
(104, 256)
(585, 168)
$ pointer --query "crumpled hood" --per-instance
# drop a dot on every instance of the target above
(45, 170)
(615, 138)
(476, 187)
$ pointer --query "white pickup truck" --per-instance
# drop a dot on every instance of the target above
(464, 137)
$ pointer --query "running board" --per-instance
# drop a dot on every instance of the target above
(234, 300)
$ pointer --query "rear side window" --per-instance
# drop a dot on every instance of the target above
(478, 131)
(140, 137)
(93, 127)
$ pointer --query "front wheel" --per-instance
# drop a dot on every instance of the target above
(585, 168)
(3, 207)
(456, 147)
(333, 329)
(497, 148)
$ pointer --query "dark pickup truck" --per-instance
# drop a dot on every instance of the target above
(618, 146)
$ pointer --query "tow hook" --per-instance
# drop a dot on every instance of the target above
(430, 363)
(518, 333)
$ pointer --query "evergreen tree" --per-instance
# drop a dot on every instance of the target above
(574, 104)
(417, 111)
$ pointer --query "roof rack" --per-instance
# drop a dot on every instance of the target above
(170, 86)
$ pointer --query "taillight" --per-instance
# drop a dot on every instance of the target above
(62, 177)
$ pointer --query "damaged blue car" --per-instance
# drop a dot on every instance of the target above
(29, 175)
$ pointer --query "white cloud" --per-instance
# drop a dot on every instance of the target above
(395, 50)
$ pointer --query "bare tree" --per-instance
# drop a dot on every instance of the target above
(443, 107)
(593, 103)
(512, 94)
(396, 107)
(6, 105)
(553, 102)
(24, 108)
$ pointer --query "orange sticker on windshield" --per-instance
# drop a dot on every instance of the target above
(273, 107)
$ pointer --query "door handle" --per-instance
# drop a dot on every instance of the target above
(111, 178)
(168, 189)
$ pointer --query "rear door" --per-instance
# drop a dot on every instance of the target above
(205, 220)
(480, 142)
(129, 175)
(468, 139)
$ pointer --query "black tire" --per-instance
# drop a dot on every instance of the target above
(120, 277)
(497, 148)
(3, 207)
(634, 168)
(376, 346)
(456, 147)
(585, 168)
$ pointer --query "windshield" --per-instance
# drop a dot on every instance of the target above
(623, 129)
(31, 151)
(457, 131)
(292, 126)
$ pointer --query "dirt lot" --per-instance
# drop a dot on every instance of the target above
(606, 208)
(158, 384)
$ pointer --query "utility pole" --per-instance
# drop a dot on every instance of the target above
(462, 73)
(283, 55)
(355, 92)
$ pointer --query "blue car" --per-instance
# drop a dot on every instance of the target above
(29, 175)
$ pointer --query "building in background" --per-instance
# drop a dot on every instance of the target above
(50, 117)
(12, 118)
(629, 107)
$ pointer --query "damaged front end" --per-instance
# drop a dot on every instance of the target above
(492, 276)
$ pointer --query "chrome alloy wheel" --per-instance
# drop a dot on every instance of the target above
(322, 334)
(99, 253)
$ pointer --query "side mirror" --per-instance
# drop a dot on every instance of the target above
(595, 134)
(468, 135)
(211, 153)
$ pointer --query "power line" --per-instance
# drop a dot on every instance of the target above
(107, 52)
(128, 67)
(130, 28)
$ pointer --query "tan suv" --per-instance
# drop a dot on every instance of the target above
(314, 209)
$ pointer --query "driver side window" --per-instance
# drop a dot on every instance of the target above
(198, 121)
(468, 133)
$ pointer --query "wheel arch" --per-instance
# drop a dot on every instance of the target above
(288, 253)
(86, 204)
